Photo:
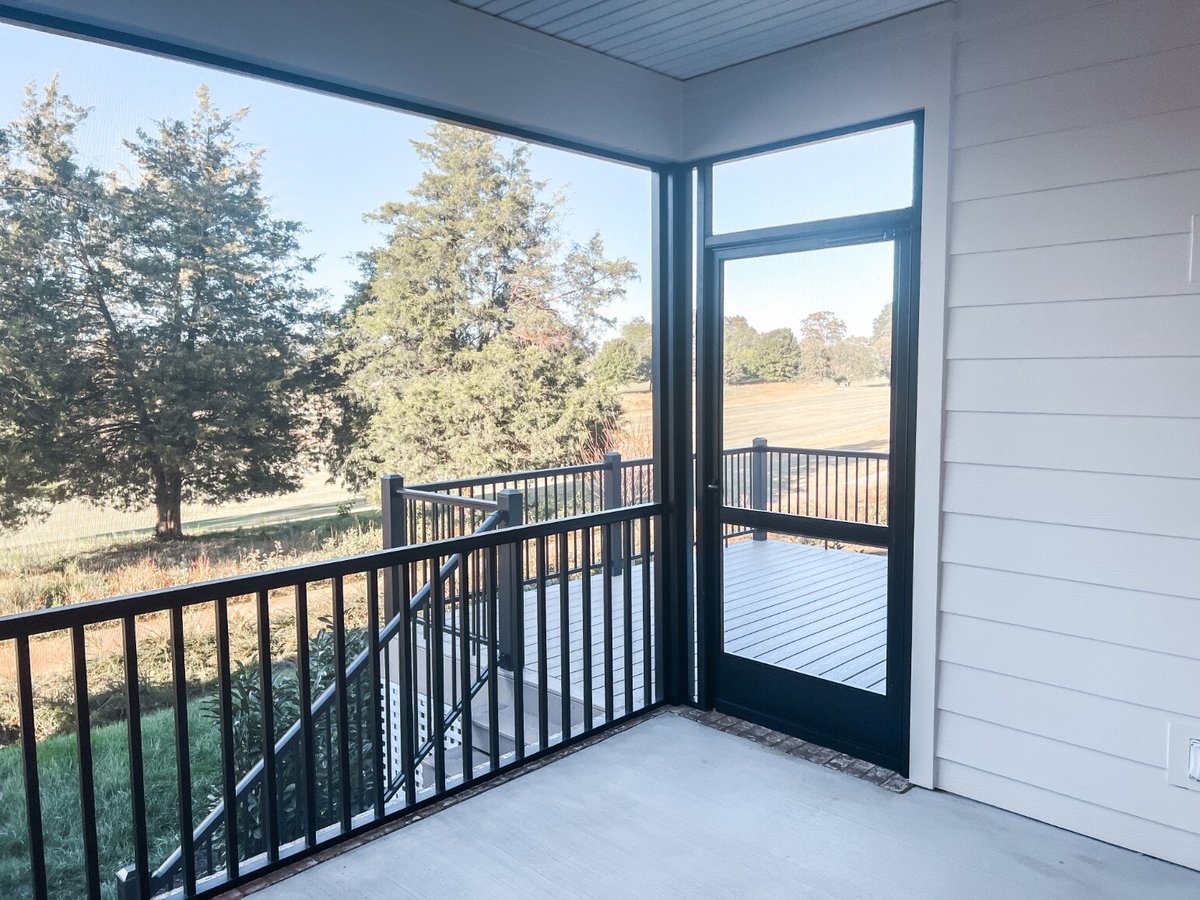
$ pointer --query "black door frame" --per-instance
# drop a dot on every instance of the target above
(867, 725)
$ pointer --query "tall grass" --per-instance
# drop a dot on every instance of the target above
(58, 766)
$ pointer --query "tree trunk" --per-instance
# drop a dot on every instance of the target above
(168, 498)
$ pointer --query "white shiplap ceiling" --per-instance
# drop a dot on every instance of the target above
(686, 38)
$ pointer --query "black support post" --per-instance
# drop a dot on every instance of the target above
(759, 486)
(673, 469)
(395, 534)
(612, 498)
(511, 582)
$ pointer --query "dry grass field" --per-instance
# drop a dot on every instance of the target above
(795, 415)
(818, 416)
(79, 521)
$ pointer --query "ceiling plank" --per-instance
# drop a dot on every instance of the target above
(686, 38)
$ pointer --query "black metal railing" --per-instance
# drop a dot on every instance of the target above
(325, 718)
(516, 665)
(419, 513)
(546, 494)
(849, 485)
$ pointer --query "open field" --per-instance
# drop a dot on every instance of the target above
(71, 523)
(797, 415)
(819, 416)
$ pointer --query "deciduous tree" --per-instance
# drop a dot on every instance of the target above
(820, 333)
(881, 340)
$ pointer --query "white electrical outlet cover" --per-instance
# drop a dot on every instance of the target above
(1183, 755)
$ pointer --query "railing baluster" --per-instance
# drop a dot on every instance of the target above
(647, 639)
(606, 565)
(137, 775)
(846, 490)
(183, 756)
(855, 516)
(464, 662)
(374, 685)
(331, 813)
(268, 805)
(435, 715)
(33, 790)
(543, 695)
(455, 613)
(229, 776)
(493, 631)
(564, 631)
(358, 774)
(627, 625)
(83, 743)
(342, 703)
(825, 511)
(308, 765)
(585, 603)
(405, 685)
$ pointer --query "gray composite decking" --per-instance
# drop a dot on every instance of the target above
(814, 610)
(806, 608)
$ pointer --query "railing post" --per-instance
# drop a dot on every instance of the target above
(395, 534)
(758, 481)
(611, 498)
(511, 580)
(127, 883)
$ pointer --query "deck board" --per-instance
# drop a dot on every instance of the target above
(806, 608)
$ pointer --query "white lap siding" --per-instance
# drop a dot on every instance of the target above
(1070, 597)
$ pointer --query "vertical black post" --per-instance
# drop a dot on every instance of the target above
(137, 772)
(87, 787)
(395, 534)
(229, 777)
(29, 754)
(183, 763)
(709, 461)
(611, 498)
(511, 582)
(759, 486)
(307, 798)
(672, 367)
(269, 798)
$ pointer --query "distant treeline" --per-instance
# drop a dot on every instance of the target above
(821, 352)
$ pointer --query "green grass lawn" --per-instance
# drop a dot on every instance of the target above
(59, 771)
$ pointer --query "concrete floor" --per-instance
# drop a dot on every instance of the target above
(672, 808)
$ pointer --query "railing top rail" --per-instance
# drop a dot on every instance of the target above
(449, 499)
(808, 451)
(484, 480)
(27, 624)
(643, 461)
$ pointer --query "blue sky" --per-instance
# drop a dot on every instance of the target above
(330, 160)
